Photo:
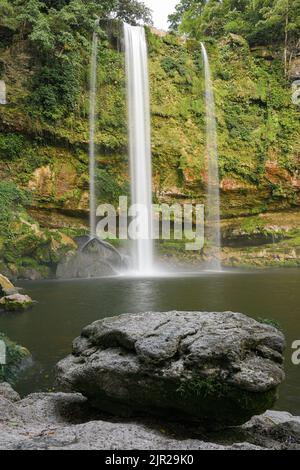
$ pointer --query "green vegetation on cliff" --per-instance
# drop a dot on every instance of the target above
(44, 59)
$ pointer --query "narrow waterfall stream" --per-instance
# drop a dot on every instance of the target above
(139, 145)
(213, 227)
(92, 123)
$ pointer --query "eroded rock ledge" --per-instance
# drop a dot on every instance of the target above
(217, 368)
(63, 422)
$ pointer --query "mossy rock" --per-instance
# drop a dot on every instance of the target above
(217, 368)
(12, 357)
(16, 302)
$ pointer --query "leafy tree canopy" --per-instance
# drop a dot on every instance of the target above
(259, 21)
(17, 13)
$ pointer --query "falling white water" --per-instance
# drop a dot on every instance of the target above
(139, 144)
(92, 162)
(2, 92)
(213, 230)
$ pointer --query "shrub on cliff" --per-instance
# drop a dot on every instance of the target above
(12, 199)
(11, 146)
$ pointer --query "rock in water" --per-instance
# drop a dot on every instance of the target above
(95, 258)
(218, 368)
(6, 287)
(15, 302)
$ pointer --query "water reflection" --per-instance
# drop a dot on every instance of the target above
(64, 308)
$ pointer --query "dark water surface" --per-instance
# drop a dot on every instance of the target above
(64, 307)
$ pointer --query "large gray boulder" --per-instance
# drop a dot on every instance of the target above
(219, 368)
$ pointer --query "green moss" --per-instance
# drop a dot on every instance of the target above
(271, 322)
(203, 388)
(221, 401)
(46, 125)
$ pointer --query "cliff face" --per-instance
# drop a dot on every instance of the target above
(44, 149)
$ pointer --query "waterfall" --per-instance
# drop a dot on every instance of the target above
(139, 144)
(92, 124)
(213, 231)
(2, 92)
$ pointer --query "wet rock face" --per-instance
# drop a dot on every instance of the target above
(8, 392)
(6, 287)
(94, 258)
(218, 368)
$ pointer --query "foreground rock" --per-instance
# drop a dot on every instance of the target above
(15, 302)
(63, 422)
(218, 368)
(6, 391)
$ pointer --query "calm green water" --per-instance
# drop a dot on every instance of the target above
(65, 307)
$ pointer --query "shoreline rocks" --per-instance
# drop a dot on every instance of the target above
(6, 287)
(10, 298)
(6, 391)
(219, 369)
(59, 421)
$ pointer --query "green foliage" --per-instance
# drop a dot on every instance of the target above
(110, 187)
(270, 322)
(171, 65)
(204, 387)
(261, 21)
(15, 354)
(56, 90)
(12, 199)
(11, 146)
(131, 11)
(60, 34)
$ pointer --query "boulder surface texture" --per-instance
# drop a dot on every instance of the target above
(218, 368)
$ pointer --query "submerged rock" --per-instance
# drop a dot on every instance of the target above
(15, 302)
(218, 368)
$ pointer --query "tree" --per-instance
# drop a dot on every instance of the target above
(7, 14)
(282, 17)
(175, 19)
(259, 21)
(132, 11)
(59, 33)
